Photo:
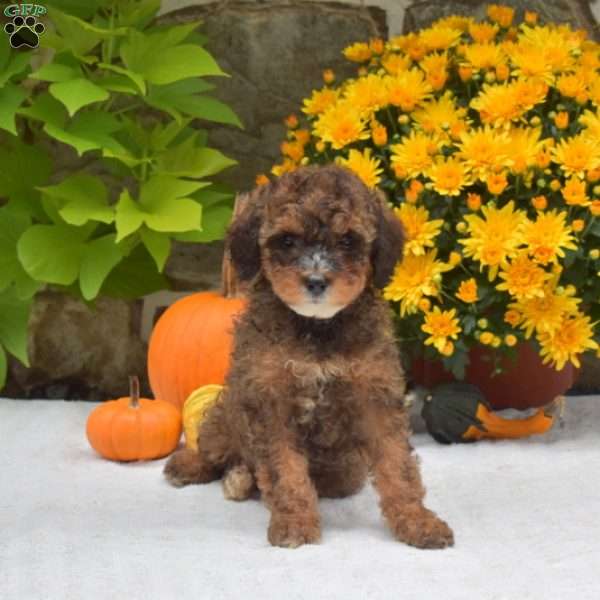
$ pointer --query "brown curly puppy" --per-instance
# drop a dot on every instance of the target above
(313, 401)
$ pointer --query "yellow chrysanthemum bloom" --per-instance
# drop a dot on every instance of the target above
(495, 237)
(591, 121)
(501, 14)
(523, 147)
(440, 325)
(575, 192)
(286, 166)
(548, 236)
(454, 22)
(484, 55)
(435, 66)
(439, 38)
(440, 116)
(530, 61)
(573, 337)
(359, 52)
(497, 104)
(367, 94)
(530, 92)
(414, 154)
(571, 85)
(484, 150)
(419, 230)
(395, 63)
(408, 89)
(320, 101)
(577, 154)
(483, 33)
(449, 176)
(341, 125)
(467, 291)
(558, 44)
(523, 278)
(414, 278)
(366, 167)
(544, 314)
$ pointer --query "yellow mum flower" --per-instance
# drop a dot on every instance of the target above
(530, 61)
(341, 125)
(484, 55)
(574, 192)
(573, 337)
(419, 230)
(395, 63)
(523, 278)
(557, 44)
(359, 52)
(483, 32)
(494, 237)
(483, 150)
(548, 236)
(414, 278)
(362, 164)
(467, 291)
(439, 38)
(449, 176)
(497, 104)
(320, 101)
(414, 154)
(367, 94)
(571, 85)
(440, 325)
(591, 120)
(436, 69)
(544, 314)
(454, 22)
(439, 116)
(408, 89)
(577, 154)
(501, 14)
(523, 146)
(530, 92)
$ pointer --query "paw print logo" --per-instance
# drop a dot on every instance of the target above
(24, 32)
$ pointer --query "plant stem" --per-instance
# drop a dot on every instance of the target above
(134, 391)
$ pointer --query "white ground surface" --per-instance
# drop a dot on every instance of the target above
(526, 516)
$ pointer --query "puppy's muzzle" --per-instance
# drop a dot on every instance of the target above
(316, 285)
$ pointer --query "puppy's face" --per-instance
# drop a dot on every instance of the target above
(319, 236)
(317, 261)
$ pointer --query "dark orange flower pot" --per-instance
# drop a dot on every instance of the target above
(525, 383)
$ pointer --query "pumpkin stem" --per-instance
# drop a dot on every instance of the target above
(134, 391)
(229, 283)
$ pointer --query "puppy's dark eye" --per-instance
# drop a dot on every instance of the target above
(347, 241)
(288, 241)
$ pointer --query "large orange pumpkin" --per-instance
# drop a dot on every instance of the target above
(134, 428)
(191, 342)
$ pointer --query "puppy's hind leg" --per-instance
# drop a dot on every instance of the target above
(209, 462)
(238, 483)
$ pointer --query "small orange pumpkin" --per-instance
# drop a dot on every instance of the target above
(191, 343)
(134, 428)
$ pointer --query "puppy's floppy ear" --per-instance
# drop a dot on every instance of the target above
(242, 236)
(389, 243)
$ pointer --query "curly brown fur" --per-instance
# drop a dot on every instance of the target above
(313, 401)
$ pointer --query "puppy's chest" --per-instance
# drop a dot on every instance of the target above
(322, 398)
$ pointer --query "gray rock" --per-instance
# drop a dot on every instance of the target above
(80, 352)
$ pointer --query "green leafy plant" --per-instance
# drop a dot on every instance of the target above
(118, 98)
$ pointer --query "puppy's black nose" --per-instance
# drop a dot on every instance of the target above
(315, 284)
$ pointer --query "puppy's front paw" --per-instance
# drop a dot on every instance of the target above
(185, 467)
(424, 530)
(291, 531)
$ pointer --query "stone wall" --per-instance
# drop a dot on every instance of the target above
(275, 51)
